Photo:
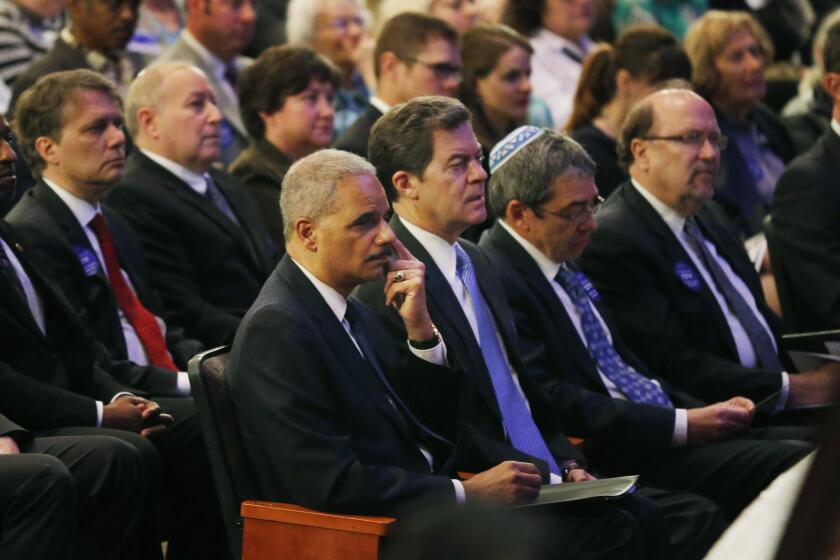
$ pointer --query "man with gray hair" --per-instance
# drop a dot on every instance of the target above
(543, 193)
(309, 367)
(204, 239)
(426, 149)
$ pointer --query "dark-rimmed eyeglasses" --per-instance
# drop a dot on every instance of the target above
(695, 139)
(579, 216)
(441, 70)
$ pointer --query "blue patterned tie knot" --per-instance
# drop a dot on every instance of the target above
(518, 422)
(633, 384)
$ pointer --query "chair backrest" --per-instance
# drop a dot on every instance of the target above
(229, 462)
(780, 273)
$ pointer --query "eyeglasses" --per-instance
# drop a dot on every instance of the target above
(577, 217)
(441, 70)
(695, 139)
(344, 23)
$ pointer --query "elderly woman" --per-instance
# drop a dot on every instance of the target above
(728, 51)
(614, 78)
(337, 29)
(460, 14)
(558, 32)
(286, 101)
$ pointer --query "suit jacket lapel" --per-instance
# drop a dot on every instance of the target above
(202, 204)
(449, 316)
(339, 342)
(19, 308)
(533, 277)
(244, 233)
(677, 254)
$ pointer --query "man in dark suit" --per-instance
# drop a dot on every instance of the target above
(415, 54)
(663, 258)
(805, 207)
(59, 380)
(80, 496)
(322, 423)
(214, 35)
(436, 183)
(89, 252)
(98, 32)
(206, 246)
(544, 195)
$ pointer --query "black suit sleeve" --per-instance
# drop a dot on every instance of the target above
(284, 395)
(805, 216)
(628, 279)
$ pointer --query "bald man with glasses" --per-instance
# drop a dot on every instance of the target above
(686, 298)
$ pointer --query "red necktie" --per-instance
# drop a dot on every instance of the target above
(144, 323)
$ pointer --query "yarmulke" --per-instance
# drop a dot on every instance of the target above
(511, 144)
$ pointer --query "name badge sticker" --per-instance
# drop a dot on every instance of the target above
(87, 259)
(590, 290)
(687, 276)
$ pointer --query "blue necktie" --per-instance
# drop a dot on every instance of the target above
(633, 384)
(758, 335)
(219, 200)
(516, 417)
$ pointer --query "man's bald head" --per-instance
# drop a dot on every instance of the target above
(671, 143)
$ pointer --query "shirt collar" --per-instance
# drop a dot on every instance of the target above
(82, 210)
(196, 181)
(835, 126)
(668, 214)
(379, 104)
(335, 301)
(213, 62)
(548, 267)
(441, 251)
(557, 43)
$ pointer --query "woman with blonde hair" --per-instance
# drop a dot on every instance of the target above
(728, 52)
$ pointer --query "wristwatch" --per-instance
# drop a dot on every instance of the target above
(426, 344)
(568, 467)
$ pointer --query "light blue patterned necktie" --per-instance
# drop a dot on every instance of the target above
(516, 417)
(633, 384)
(219, 201)
(758, 335)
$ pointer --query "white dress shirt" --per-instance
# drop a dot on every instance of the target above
(746, 352)
(555, 74)
(85, 212)
(443, 255)
(196, 181)
(379, 104)
(33, 300)
(338, 305)
(549, 269)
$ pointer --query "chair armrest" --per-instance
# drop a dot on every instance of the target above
(298, 515)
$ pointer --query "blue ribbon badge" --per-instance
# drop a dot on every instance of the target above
(87, 258)
(687, 276)
(590, 290)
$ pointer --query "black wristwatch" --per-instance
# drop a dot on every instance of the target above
(426, 344)
(567, 468)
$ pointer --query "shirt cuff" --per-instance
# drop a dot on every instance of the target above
(554, 478)
(680, 438)
(784, 393)
(460, 496)
(182, 386)
(436, 355)
(99, 408)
